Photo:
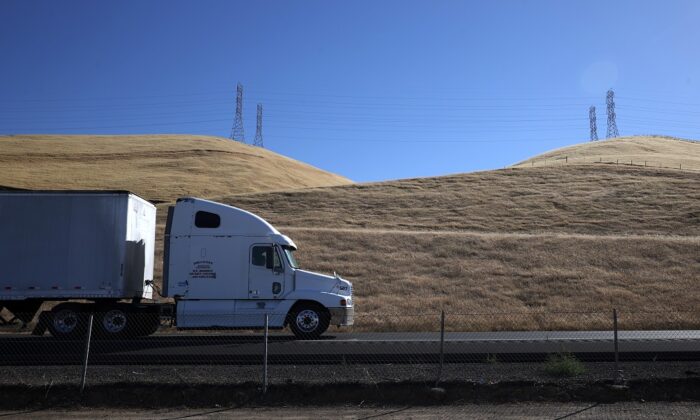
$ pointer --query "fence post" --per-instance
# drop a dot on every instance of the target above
(567, 159)
(442, 347)
(88, 335)
(618, 376)
(267, 320)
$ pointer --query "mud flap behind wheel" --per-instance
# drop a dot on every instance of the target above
(42, 324)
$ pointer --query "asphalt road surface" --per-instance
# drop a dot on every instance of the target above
(211, 348)
(520, 411)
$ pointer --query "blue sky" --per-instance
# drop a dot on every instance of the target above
(372, 90)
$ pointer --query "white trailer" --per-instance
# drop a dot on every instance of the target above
(223, 267)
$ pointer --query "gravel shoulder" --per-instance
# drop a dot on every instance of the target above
(160, 387)
(369, 374)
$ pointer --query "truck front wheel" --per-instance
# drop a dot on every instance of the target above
(308, 321)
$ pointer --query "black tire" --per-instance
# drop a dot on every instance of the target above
(114, 321)
(125, 321)
(309, 321)
(68, 321)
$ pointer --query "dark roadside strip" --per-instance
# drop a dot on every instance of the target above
(20, 350)
(152, 395)
(96, 358)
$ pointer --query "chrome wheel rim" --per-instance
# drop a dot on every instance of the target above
(65, 321)
(114, 321)
(307, 320)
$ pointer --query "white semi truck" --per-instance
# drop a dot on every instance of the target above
(93, 251)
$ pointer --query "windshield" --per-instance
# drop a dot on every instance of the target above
(289, 252)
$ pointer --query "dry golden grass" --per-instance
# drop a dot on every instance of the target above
(569, 239)
(583, 199)
(156, 167)
(655, 151)
(403, 280)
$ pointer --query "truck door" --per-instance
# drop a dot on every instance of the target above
(266, 272)
(210, 272)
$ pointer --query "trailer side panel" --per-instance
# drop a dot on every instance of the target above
(74, 245)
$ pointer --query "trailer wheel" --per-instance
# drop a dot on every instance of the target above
(67, 321)
(309, 321)
(114, 322)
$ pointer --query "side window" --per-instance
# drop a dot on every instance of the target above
(261, 255)
(204, 219)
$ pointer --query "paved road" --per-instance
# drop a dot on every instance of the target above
(520, 411)
(17, 349)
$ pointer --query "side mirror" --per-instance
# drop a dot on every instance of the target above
(278, 270)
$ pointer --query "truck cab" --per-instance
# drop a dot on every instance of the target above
(228, 268)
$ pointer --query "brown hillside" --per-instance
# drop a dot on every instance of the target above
(654, 151)
(156, 167)
(574, 238)
(586, 199)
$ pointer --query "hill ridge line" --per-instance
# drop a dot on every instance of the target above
(158, 168)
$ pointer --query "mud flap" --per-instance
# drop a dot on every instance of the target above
(42, 324)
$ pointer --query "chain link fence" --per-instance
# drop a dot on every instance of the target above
(464, 360)
(427, 347)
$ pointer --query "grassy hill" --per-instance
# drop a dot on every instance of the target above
(157, 167)
(650, 151)
(576, 238)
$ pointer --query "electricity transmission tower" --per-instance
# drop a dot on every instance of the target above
(237, 133)
(594, 125)
(258, 129)
(612, 125)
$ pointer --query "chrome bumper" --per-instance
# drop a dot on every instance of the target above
(342, 316)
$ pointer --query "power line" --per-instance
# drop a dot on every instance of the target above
(403, 102)
(339, 114)
(364, 98)
(333, 120)
(360, 124)
(306, 128)
(296, 104)
(351, 124)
